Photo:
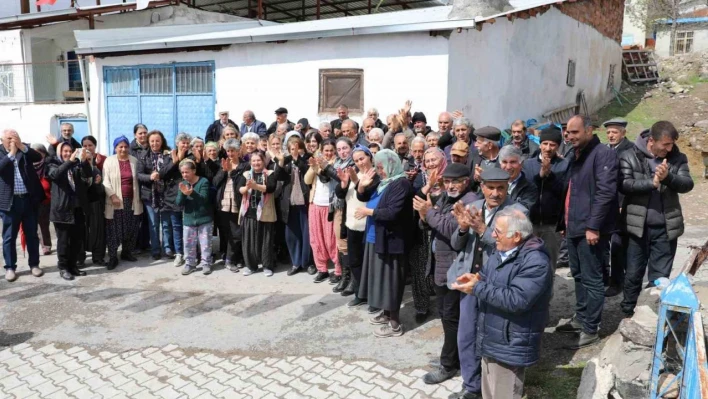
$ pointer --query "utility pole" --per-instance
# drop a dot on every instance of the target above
(25, 6)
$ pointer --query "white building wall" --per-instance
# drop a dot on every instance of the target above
(700, 39)
(34, 122)
(513, 70)
(264, 76)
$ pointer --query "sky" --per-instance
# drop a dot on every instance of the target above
(12, 7)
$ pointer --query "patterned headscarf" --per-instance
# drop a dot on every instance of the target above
(391, 164)
(118, 141)
(442, 164)
(363, 149)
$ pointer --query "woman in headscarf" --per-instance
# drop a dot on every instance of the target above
(293, 206)
(342, 163)
(95, 221)
(153, 166)
(346, 190)
(389, 215)
(434, 163)
(123, 206)
(324, 242)
(71, 175)
(257, 216)
(228, 201)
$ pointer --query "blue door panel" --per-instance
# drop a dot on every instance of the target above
(158, 113)
(80, 127)
(188, 106)
(194, 114)
(123, 113)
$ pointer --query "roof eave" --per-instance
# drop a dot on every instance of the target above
(189, 44)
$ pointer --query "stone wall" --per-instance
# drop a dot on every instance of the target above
(604, 15)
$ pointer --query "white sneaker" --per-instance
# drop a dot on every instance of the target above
(179, 260)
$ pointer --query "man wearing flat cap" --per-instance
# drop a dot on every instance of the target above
(616, 257)
(442, 223)
(546, 169)
(213, 132)
(487, 145)
(281, 116)
(566, 146)
(474, 242)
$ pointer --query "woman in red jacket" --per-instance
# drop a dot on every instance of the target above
(43, 217)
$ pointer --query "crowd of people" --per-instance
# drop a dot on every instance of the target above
(477, 218)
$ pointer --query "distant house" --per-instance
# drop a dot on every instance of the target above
(40, 79)
(521, 63)
(691, 36)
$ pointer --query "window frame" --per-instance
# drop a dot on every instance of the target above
(340, 72)
(8, 70)
(684, 40)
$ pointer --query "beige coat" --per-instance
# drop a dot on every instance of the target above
(111, 183)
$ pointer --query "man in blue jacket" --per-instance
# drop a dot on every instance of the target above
(588, 219)
(513, 291)
(252, 125)
(20, 196)
(474, 242)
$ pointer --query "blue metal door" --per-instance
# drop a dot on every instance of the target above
(169, 98)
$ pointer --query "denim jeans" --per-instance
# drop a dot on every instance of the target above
(586, 264)
(172, 231)
(21, 211)
(154, 228)
(297, 236)
(470, 359)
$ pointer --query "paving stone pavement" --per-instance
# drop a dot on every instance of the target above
(32, 371)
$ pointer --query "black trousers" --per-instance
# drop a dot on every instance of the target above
(257, 243)
(70, 239)
(653, 249)
(230, 230)
(587, 265)
(449, 310)
(96, 230)
(617, 257)
(355, 247)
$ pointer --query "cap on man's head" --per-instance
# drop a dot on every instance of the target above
(494, 174)
(281, 110)
(223, 112)
(460, 148)
(551, 133)
(621, 122)
(456, 170)
(489, 133)
(419, 117)
(304, 122)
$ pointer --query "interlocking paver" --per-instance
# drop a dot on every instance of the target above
(170, 373)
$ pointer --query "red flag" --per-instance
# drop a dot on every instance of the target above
(45, 2)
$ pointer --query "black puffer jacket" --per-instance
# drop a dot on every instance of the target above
(169, 175)
(636, 183)
(236, 176)
(285, 176)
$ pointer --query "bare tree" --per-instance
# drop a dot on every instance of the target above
(646, 14)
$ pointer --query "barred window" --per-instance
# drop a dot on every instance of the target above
(198, 79)
(341, 86)
(156, 81)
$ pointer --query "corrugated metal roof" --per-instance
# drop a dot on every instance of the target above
(173, 37)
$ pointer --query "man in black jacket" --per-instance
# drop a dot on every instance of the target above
(213, 132)
(520, 140)
(442, 224)
(547, 171)
(588, 220)
(521, 190)
(281, 116)
(67, 136)
(653, 175)
(20, 196)
(617, 258)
